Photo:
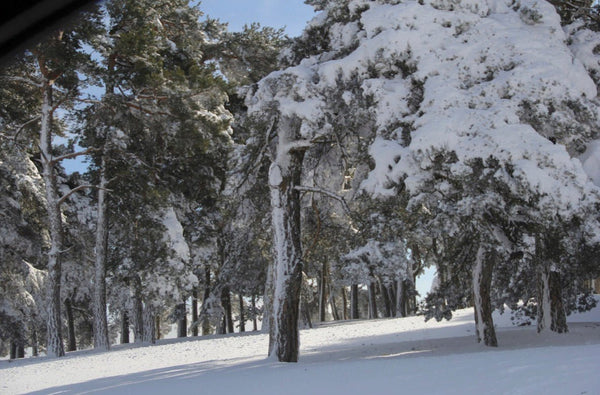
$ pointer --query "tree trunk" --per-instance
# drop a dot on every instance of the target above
(344, 304)
(372, 301)
(242, 315)
(551, 312)
(17, 349)
(138, 312)
(354, 302)
(71, 343)
(181, 314)
(124, 327)
(205, 320)
(254, 318)
(100, 320)
(284, 175)
(387, 305)
(34, 344)
(323, 291)
(391, 292)
(334, 309)
(482, 284)
(149, 325)
(55, 347)
(195, 311)
(227, 316)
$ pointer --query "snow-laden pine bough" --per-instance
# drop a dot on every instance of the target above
(478, 111)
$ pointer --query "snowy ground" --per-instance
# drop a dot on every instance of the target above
(380, 356)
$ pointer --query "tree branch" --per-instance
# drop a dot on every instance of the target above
(77, 189)
(22, 79)
(332, 195)
(73, 155)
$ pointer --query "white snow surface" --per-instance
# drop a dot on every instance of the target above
(404, 355)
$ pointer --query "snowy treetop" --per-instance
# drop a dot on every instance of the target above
(480, 79)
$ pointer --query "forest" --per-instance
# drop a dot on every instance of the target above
(239, 181)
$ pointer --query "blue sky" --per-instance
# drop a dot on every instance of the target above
(291, 14)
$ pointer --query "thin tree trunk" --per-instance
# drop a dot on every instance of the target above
(101, 341)
(55, 347)
(323, 292)
(387, 305)
(124, 327)
(157, 333)
(354, 302)
(195, 311)
(242, 316)
(13, 350)
(138, 312)
(71, 343)
(334, 309)
(284, 175)
(344, 304)
(227, 317)
(372, 301)
(205, 320)
(482, 284)
(254, 319)
(34, 343)
(181, 314)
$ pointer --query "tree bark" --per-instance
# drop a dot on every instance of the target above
(334, 309)
(254, 319)
(344, 304)
(227, 316)
(138, 312)
(387, 305)
(55, 347)
(354, 302)
(195, 311)
(205, 320)
(323, 291)
(34, 343)
(551, 312)
(372, 301)
(482, 284)
(101, 341)
(71, 341)
(149, 325)
(284, 175)
(242, 315)
(124, 327)
(181, 320)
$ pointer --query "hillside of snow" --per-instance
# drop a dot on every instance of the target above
(388, 355)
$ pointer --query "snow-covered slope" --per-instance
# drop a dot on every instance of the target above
(404, 355)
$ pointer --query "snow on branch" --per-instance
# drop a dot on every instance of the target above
(330, 194)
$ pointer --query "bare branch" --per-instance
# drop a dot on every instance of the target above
(21, 127)
(77, 189)
(73, 155)
(22, 79)
(330, 194)
(140, 108)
